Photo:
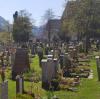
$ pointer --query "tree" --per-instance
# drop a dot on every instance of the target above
(49, 14)
(22, 26)
(87, 20)
(83, 18)
(68, 22)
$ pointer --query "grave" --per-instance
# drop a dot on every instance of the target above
(47, 50)
(49, 71)
(33, 49)
(40, 54)
(98, 66)
(61, 61)
(73, 54)
(4, 90)
(21, 62)
(19, 84)
(67, 61)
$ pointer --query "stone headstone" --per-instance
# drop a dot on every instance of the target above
(40, 54)
(21, 62)
(19, 85)
(49, 71)
(67, 61)
(46, 50)
(4, 90)
(73, 54)
(61, 61)
(98, 66)
(56, 66)
(44, 73)
(33, 49)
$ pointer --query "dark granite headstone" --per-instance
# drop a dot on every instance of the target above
(21, 62)
(40, 54)
(33, 49)
(98, 66)
(49, 71)
(61, 61)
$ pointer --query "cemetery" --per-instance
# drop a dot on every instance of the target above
(54, 74)
(57, 57)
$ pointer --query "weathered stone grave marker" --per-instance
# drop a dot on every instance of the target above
(44, 73)
(40, 54)
(67, 61)
(49, 71)
(33, 49)
(98, 66)
(4, 90)
(61, 61)
(19, 84)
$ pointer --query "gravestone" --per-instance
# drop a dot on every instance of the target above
(73, 54)
(67, 61)
(61, 61)
(4, 90)
(56, 66)
(19, 85)
(47, 50)
(49, 71)
(12, 56)
(98, 66)
(45, 83)
(56, 53)
(21, 62)
(33, 49)
(40, 54)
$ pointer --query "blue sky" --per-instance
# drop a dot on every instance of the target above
(36, 7)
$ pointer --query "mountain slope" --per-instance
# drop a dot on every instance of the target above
(3, 24)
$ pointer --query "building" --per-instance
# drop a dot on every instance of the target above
(53, 27)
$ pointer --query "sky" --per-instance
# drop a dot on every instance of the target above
(36, 7)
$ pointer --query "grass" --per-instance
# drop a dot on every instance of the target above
(35, 64)
(4, 37)
(88, 89)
